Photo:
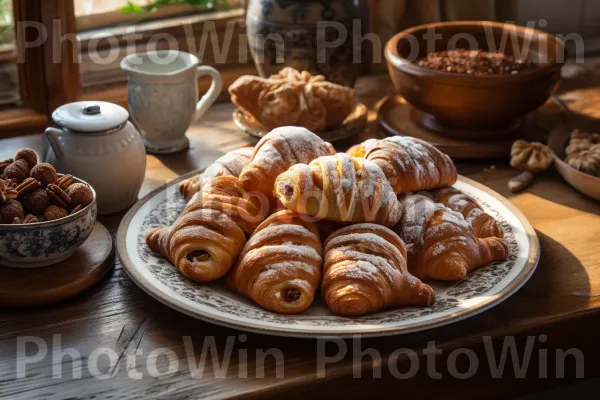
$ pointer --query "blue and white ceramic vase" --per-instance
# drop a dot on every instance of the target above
(319, 36)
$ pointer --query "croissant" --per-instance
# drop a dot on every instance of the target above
(278, 151)
(206, 239)
(280, 266)
(277, 102)
(365, 272)
(231, 164)
(441, 243)
(483, 224)
(410, 164)
(339, 188)
(337, 100)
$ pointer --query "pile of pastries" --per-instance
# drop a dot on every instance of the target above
(290, 217)
(583, 152)
(293, 98)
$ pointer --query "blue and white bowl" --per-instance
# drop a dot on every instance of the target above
(46, 243)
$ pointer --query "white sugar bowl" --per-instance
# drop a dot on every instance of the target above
(96, 142)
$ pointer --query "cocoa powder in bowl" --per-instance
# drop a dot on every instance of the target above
(475, 62)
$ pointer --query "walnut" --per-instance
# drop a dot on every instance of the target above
(37, 201)
(18, 170)
(28, 156)
(587, 161)
(6, 192)
(55, 212)
(80, 194)
(11, 210)
(580, 141)
(45, 174)
(533, 157)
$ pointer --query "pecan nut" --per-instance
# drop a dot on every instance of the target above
(58, 196)
(27, 186)
(76, 209)
(30, 219)
(65, 181)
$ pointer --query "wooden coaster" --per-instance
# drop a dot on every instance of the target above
(398, 118)
(35, 287)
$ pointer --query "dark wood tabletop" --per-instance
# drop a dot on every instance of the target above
(115, 341)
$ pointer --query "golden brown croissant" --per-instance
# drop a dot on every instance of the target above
(441, 243)
(365, 272)
(277, 102)
(483, 224)
(206, 239)
(293, 98)
(339, 188)
(280, 266)
(338, 101)
(231, 164)
(410, 164)
(278, 151)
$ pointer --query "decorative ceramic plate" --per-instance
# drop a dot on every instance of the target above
(353, 125)
(217, 304)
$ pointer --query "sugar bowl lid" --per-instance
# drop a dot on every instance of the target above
(90, 116)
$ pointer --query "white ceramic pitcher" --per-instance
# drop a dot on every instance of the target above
(163, 96)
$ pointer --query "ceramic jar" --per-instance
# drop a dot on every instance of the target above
(96, 142)
(301, 34)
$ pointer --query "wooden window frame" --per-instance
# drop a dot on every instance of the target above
(45, 85)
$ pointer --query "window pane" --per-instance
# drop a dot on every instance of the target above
(90, 7)
(103, 24)
(9, 80)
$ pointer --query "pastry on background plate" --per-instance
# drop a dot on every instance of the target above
(293, 98)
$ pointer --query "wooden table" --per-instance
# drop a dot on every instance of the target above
(557, 309)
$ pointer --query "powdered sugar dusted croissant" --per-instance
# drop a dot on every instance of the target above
(231, 164)
(278, 151)
(483, 224)
(441, 243)
(410, 164)
(280, 266)
(339, 188)
(365, 272)
(206, 239)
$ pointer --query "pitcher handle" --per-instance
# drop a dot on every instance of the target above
(213, 93)
(54, 135)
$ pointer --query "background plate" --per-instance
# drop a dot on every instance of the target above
(215, 303)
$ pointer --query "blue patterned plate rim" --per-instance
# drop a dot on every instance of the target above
(228, 309)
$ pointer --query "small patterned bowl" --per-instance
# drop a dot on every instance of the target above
(46, 243)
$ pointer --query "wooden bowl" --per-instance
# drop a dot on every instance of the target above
(582, 182)
(467, 105)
